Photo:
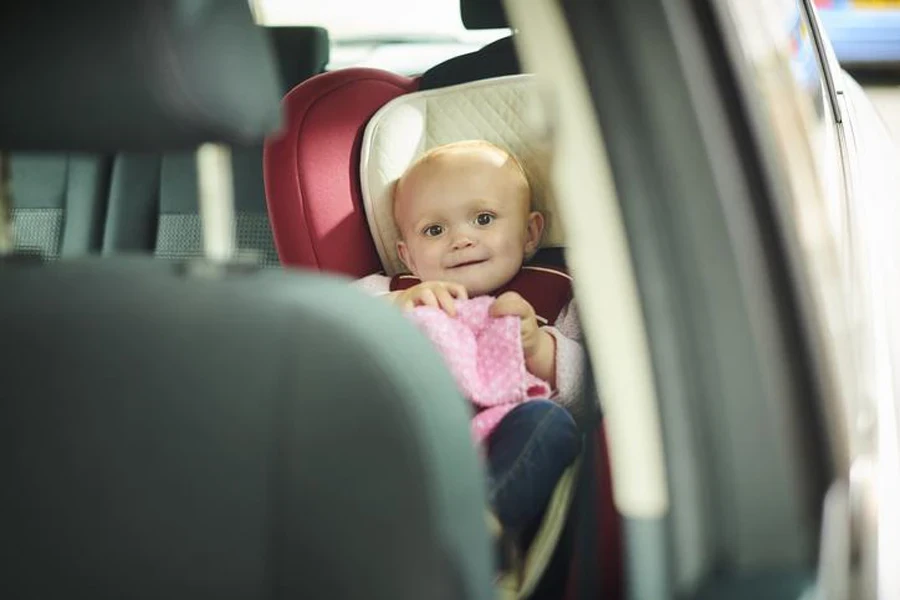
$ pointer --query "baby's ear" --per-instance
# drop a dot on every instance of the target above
(403, 253)
(533, 233)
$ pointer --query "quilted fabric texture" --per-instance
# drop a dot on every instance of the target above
(484, 354)
(498, 110)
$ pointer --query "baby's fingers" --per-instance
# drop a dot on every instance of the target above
(427, 298)
(510, 303)
(458, 291)
(446, 301)
(420, 298)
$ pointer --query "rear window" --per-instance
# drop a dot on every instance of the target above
(386, 18)
(403, 36)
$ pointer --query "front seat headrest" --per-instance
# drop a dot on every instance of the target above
(141, 75)
(302, 52)
(483, 14)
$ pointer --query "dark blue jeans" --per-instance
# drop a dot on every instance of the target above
(527, 454)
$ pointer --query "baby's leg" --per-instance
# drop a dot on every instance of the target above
(527, 454)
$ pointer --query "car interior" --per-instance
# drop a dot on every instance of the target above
(69, 205)
(132, 202)
(213, 411)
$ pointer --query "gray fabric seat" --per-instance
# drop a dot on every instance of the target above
(193, 430)
(154, 206)
(59, 203)
(61, 200)
(169, 435)
(179, 232)
(153, 198)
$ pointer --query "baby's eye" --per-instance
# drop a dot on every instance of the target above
(485, 219)
(433, 230)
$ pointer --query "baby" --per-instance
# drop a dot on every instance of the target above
(466, 225)
(463, 211)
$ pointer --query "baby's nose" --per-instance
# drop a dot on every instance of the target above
(462, 241)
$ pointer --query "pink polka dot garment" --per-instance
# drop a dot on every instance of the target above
(484, 354)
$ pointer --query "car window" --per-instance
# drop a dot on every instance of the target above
(796, 124)
(354, 18)
(403, 36)
(809, 69)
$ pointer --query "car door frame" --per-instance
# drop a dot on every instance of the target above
(747, 454)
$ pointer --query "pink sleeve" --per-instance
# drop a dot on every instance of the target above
(569, 357)
(375, 284)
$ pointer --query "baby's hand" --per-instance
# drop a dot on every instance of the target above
(439, 294)
(512, 304)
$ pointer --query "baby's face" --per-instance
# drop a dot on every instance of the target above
(464, 217)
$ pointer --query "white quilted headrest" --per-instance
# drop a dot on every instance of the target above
(496, 110)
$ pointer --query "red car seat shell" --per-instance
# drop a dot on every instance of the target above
(311, 170)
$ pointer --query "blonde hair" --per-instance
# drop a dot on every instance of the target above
(467, 146)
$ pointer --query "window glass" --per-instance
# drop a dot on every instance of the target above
(779, 49)
(791, 99)
(357, 18)
(403, 36)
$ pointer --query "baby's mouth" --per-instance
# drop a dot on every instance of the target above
(468, 263)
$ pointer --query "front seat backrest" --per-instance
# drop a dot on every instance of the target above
(268, 435)
(206, 431)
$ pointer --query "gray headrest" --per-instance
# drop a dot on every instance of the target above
(302, 52)
(134, 75)
(483, 14)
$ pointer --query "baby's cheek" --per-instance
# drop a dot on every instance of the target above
(427, 262)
